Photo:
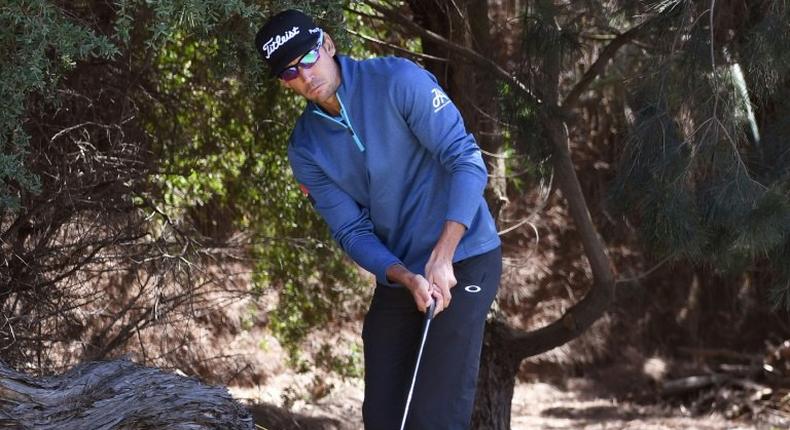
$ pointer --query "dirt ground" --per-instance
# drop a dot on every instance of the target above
(592, 401)
(536, 406)
(589, 402)
(539, 406)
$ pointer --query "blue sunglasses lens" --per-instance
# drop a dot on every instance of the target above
(289, 73)
(307, 61)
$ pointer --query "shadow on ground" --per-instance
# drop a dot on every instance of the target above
(270, 417)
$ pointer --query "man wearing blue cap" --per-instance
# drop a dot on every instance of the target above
(384, 156)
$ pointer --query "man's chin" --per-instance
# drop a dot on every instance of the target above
(317, 93)
(320, 98)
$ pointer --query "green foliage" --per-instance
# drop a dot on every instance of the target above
(543, 44)
(347, 365)
(213, 127)
(526, 148)
(764, 53)
(223, 165)
(651, 183)
(38, 45)
(700, 185)
(700, 188)
(543, 38)
(317, 285)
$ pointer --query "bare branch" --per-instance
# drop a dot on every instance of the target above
(467, 53)
(396, 47)
(599, 66)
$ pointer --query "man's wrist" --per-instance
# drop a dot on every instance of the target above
(399, 274)
(444, 250)
(442, 254)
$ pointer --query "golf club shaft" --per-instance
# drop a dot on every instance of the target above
(426, 326)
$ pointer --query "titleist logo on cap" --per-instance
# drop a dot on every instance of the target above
(274, 43)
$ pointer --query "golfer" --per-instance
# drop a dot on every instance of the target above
(383, 155)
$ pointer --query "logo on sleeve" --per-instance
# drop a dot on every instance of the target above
(440, 100)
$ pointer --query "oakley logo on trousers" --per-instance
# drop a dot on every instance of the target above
(472, 289)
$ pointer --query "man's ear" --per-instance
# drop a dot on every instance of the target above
(329, 45)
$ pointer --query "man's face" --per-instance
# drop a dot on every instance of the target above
(321, 81)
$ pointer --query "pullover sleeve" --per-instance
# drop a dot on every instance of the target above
(348, 222)
(438, 125)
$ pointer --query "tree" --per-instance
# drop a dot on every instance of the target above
(664, 182)
(138, 138)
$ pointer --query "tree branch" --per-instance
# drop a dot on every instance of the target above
(599, 65)
(590, 308)
(474, 57)
(396, 47)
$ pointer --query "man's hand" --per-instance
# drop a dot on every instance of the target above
(419, 287)
(422, 293)
(440, 275)
(439, 269)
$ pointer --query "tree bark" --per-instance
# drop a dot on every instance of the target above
(116, 395)
(496, 379)
(486, 108)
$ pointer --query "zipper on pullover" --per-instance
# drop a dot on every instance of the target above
(344, 122)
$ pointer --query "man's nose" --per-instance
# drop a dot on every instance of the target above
(306, 74)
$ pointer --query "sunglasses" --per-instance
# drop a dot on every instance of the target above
(306, 61)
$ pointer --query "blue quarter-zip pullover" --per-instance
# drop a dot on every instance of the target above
(392, 167)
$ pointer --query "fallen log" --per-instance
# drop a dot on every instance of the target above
(116, 395)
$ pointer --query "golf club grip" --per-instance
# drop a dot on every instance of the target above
(431, 309)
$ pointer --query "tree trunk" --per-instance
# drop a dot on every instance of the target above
(506, 347)
(486, 109)
(497, 378)
(116, 395)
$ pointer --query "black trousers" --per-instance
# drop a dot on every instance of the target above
(445, 389)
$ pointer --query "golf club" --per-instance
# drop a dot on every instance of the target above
(425, 325)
